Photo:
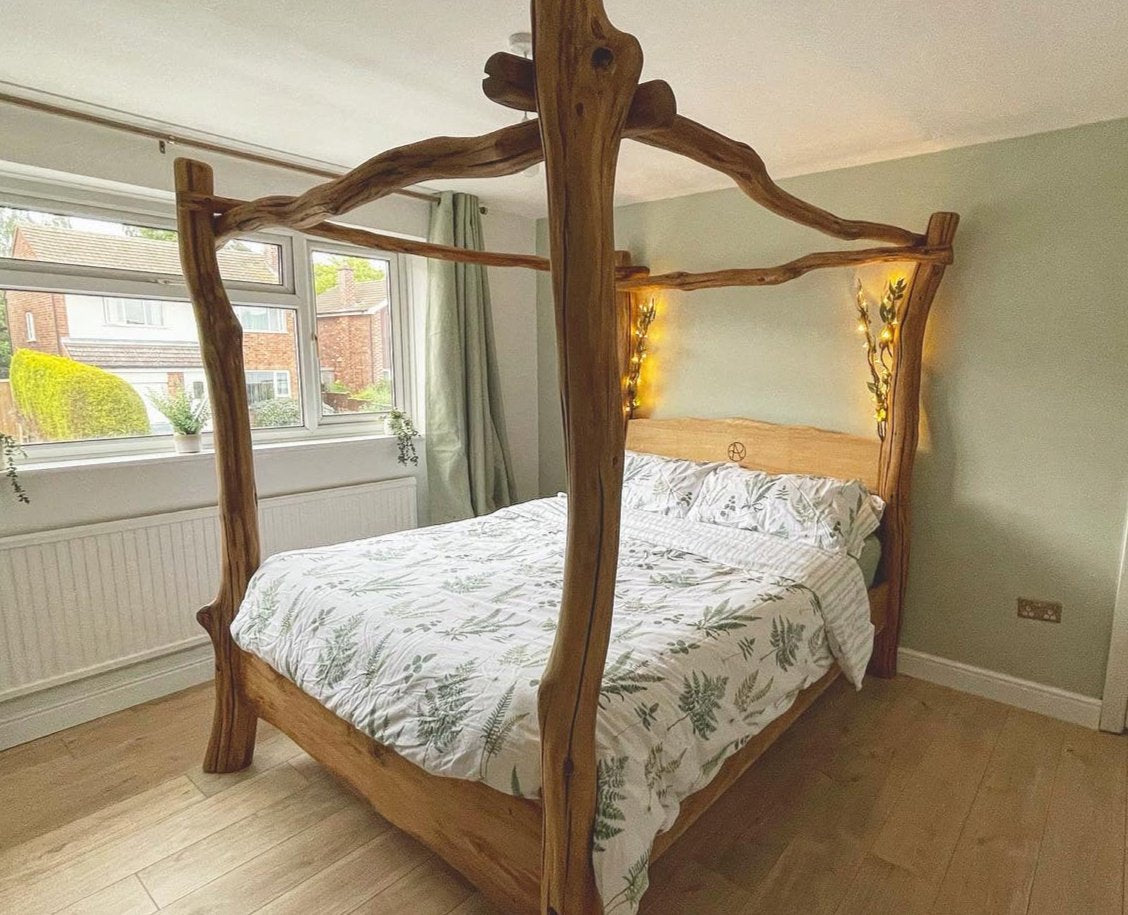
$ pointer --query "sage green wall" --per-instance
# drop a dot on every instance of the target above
(1022, 481)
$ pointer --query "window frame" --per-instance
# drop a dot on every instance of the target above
(109, 302)
(399, 293)
(295, 293)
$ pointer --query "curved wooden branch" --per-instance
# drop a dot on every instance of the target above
(743, 164)
(510, 82)
(502, 152)
(587, 73)
(898, 449)
(773, 276)
(396, 245)
(232, 742)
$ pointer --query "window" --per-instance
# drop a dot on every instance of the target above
(89, 380)
(354, 332)
(261, 320)
(101, 299)
(139, 312)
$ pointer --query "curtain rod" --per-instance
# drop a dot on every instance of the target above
(164, 137)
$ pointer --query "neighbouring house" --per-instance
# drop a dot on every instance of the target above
(354, 332)
(152, 344)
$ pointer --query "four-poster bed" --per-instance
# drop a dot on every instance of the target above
(529, 853)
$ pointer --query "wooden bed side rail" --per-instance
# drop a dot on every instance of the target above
(232, 741)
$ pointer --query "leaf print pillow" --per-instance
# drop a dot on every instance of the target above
(659, 484)
(823, 512)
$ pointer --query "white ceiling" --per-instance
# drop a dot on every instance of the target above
(812, 85)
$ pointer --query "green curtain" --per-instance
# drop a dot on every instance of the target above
(469, 470)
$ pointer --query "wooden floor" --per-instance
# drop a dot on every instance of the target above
(904, 798)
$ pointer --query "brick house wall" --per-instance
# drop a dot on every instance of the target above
(345, 345)
(48, 311)
(273, 352)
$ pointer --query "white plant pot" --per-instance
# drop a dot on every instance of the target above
(186, 444)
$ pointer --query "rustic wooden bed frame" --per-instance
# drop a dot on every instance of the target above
(583, 85)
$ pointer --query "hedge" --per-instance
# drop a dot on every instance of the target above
(64, 400)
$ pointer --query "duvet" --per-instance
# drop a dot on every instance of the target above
(432, 642)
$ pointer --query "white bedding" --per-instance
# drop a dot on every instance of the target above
(432, 641)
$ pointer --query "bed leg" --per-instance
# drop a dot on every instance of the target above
(231, 746)
(232, 743)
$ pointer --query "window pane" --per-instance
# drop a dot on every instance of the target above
(53, 239)
(354, 333)
(95, 365)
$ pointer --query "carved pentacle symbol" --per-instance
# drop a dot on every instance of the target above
(737, 451)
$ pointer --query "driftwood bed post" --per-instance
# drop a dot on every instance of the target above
(586, 75)
(232, 742)
(898, 449)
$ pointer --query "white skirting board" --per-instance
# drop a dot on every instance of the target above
(1024, 694)
(56, 708)
(97, 618)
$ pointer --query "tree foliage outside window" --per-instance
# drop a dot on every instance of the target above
(64, 400)
(326, 270)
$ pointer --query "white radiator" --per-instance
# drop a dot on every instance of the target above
(113, 605)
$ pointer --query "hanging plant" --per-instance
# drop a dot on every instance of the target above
(879, 346)
(12, 449)
(399, 424)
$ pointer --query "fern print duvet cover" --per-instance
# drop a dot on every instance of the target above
(432, 642)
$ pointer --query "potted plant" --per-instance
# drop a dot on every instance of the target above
(399, 424)
(186, 416)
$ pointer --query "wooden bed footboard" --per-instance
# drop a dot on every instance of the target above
(492, 838)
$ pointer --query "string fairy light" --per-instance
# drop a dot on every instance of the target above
(879, 348)
(638, 353)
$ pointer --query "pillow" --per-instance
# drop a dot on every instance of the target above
(661, 484)
(823, 512)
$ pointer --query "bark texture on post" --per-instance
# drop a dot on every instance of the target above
(898, 450)
(232, 743)
(586, 76)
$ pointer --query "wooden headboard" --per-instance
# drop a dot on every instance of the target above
(764, 446)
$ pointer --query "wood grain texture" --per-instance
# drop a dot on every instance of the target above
(768, 446)
(232, 742)
(490, 837)
(773, 276)
(511, 81)
(898, 449)
(586, 75)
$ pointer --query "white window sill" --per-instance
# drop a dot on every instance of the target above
(208, 454)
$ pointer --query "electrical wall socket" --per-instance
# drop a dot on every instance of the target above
(1048, 611)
